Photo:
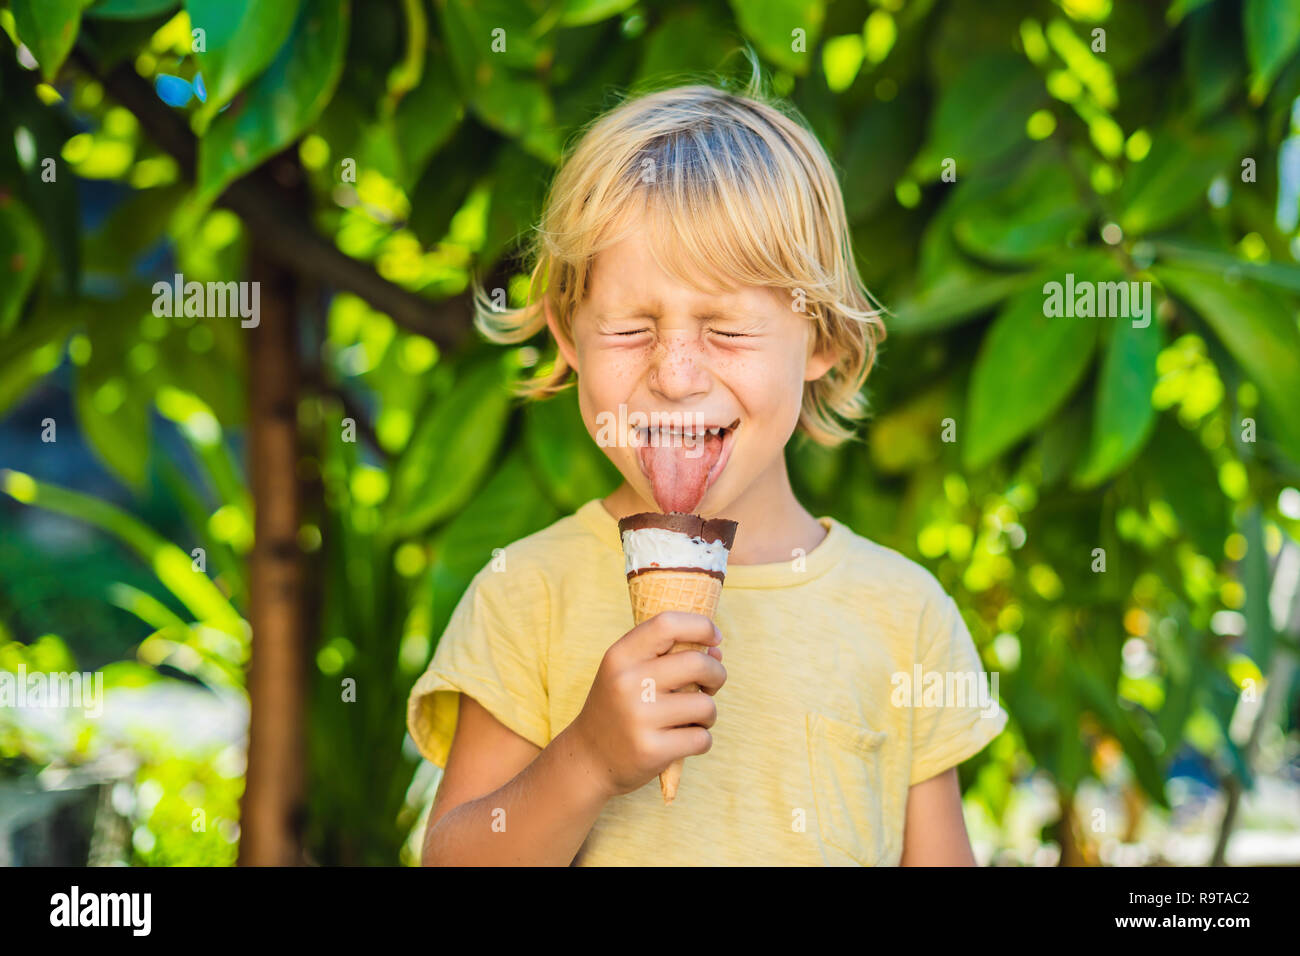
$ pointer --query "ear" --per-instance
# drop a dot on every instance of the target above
(567, 351)
(819, 362)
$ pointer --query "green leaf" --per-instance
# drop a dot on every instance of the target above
(1272, 29)
(445, 184)
(240, 39)
(1193, 254)
(283, 101)
(572, 469)
(1213, 65)
(1028, 364)
(1255, 578)
(1061, 442)
(52, 204)
(687, 42)
(954, 300)
(112, 408)
(815, 468)
(981, 116)
(449, 453)
(500, 84)
(480, 33)
(1184, 476)
(129, 9)
(22, 248)
(1185, 670)
(49, 29)
(952, 287)
(1259, 330)
(785, 31)
(1036, 214)
(508, 507)
(1173, 178)
(519, 183)
(408, 73)
(1125, 416)
(135, 225)
(579, 13)
(427, 117)
(1120, 722)
(173, 566)
(876, 155)
(32, 353)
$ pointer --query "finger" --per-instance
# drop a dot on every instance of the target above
(674, 671)
(658, 635)
(684, 742)
(685, 710)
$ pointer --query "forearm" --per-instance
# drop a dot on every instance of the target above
(934, 832)
(540, 818)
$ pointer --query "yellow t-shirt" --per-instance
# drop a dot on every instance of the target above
(823, 724)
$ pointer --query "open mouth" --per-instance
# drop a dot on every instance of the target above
(683, 462)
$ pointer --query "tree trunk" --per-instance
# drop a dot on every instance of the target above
(271, 831)
(1067, 834)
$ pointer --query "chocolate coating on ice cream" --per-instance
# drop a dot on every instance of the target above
(721, 576)
(694, 526)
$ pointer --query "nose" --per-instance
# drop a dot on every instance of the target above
(679, 367)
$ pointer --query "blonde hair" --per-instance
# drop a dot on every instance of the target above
(737, 191)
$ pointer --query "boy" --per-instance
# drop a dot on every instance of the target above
(693, 260)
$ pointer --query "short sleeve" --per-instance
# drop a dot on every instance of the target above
(958, 714)
(493, 649)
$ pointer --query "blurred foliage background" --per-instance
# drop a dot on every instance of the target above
(383, 152)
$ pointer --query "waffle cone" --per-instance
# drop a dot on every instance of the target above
(655, 591)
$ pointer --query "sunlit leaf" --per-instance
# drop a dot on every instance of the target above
(22, 248)
(1034, 215)
(282, 102)
(981, 116)
(452, 448)
(570, 466)
(1213, 63)
(509, 506)
(1028, 364)
(1259, 329)
(579, 13)
(240, 38)
(49, 29)
(129, 9)
(785, 31)
(1124, 416)
(172, 565)
(1272, 29)
(685, 43)
(1172, 179)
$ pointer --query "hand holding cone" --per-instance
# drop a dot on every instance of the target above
(675, 562)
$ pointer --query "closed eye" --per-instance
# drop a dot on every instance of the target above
(730, 335)
(633, 332)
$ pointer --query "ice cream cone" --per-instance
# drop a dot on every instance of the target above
(678, 588)
(655, 591)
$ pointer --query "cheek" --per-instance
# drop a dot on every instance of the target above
(768, 383)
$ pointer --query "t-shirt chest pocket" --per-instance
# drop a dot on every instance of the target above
(851, 787)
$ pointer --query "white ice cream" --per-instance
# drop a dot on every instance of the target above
(661, 548)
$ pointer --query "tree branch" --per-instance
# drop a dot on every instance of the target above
(286, 236)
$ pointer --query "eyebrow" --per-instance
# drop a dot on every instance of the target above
(653, 313)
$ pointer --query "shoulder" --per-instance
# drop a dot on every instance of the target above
(534, 563)
(867, 561)
(547, 552)
(892, 588)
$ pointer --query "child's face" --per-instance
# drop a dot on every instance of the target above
(738, 361)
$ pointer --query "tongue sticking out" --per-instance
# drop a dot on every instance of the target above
(679, 470)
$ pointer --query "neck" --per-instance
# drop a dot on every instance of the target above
(772, 522)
